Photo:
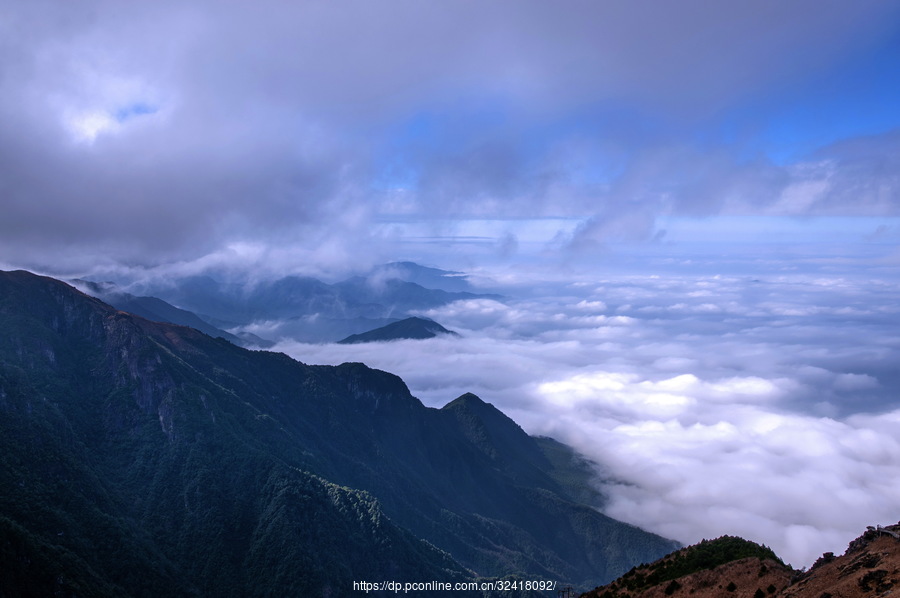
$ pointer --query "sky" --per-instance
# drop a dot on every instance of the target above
(337, 133)
(693, 208)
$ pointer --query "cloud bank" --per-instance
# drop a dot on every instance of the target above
(763, 406)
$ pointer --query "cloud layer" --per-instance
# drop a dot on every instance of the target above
(168, 132)
(758, 406)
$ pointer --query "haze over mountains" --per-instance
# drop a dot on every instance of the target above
(303, 309)
(142, 456)
(155, 309)
(408, 329)
(673, 376)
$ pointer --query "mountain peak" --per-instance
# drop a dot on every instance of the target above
(493, 432)
(476, 405)
(413, 328)
(467, 398)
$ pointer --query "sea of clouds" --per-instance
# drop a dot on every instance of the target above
(763, 406)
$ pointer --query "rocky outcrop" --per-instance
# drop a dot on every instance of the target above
(869, 567)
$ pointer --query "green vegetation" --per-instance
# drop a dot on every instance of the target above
(708, 554)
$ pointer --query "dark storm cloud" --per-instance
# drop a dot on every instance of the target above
(115, 143)
(166, 131)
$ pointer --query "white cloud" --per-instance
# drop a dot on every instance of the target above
(780, 428)
(87, 125)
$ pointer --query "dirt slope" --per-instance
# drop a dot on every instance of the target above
(870, 567)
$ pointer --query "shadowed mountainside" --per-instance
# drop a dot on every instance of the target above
(157, 310)
(141, 458)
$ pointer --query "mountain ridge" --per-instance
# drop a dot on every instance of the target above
(309, 309)
(157, 310)
(199, 442)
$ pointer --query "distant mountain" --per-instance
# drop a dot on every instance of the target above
(308, 309)
(294, 296)
(143, 458)
(738, 568)
(153, 308)
(398, 296)
(409, 328)
(432, 278)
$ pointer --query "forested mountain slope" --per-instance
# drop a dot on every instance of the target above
(140, 458)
